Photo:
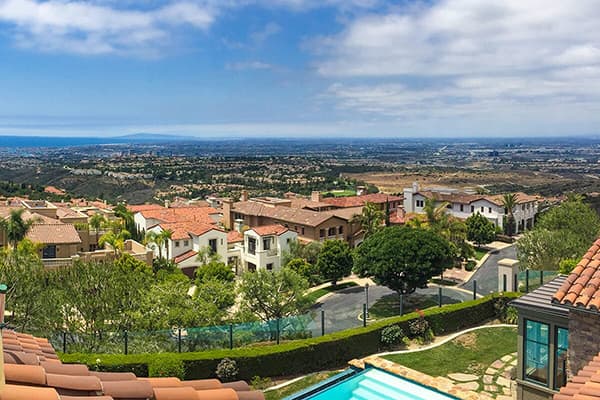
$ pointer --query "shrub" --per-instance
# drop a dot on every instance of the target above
(470, 265)
(511, 315)
(420, 328)
(227, 370)
(164, 366)
(392, 335)
(307, 355)
(259, 383)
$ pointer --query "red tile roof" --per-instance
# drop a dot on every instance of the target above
(188, 254)
(281, 213)
(266, 230)
(582, 286)
(183, 214)
(53, 190)
(183, 230)
(356, 201)
(144, 207)
(585, 385)
(234, 237)
(467, 198)
(53, 234)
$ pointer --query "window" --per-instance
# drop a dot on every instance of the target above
(462, 208)
(331, 231)
(523, 207)
(177, 243)
(288, 240)
(505, 210)
(270, 267)
(472, 209)
(420, 203)
(490, 210)
(562, 345)
(449, 206)
(482, 209)
(212, 243)
(49, 251)
(536, 352)
(251, 246)
(296, 228)
(341, 230)
(186, 243)
(267, 243)
(322, 233)
(303, 230)
(251, 267)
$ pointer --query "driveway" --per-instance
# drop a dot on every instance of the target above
(487, 274)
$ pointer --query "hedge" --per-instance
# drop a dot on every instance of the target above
(305, 355)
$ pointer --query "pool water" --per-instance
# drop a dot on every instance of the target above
(375, 384)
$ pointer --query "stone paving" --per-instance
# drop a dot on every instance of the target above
(496, 383)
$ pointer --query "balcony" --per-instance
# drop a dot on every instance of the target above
(271, 252)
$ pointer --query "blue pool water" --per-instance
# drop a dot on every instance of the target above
(373, 384)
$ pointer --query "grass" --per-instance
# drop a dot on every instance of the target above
(303, 383)
(479, 253)
(389, 306)
(314, 296)
(444, 282)
(470, 353)
(341, 193)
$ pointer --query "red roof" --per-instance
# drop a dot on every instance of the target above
(183, 230)
(234, 237)
(584, 386)
(266, 230)
(182, 257)
(184, 214)
(582, 286)
(356, 201)
(144, 207)
(53, 190)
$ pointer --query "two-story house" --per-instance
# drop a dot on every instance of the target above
(264, 247)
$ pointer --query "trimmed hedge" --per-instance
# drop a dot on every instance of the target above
(305, 355)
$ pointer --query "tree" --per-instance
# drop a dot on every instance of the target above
(403, 258)
(214, 270)
(97, 221)
(307, 270)
(370, 220)
(335, 260)
(480, 230)
(273, 295)
(164, 237)
(509, 202)
(566, 266)
(115, 240)
(16, 227)
(563, 232)
(309, 252)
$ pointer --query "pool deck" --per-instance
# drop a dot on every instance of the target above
(441, 384)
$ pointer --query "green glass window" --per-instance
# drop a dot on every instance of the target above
(537, 348)
(562, 345)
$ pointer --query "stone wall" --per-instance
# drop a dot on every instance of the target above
(584, 339)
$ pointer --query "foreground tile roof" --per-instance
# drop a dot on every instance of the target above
(187, 255)
(357, 201)
(183, 214)
(53, 234)
(292, 215)
(184, 230)
(274, 229)
(585, 385)
(234, 237)
(582, 287)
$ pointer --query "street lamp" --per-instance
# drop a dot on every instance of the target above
(367, 299)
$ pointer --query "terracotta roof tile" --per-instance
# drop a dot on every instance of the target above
(181, 214)
(357, 201)
(282, 213)
(183, 230)
(187, 255)
(582, 286)
(53, 234)
(234, 237)
(274, 229)
(585, 385)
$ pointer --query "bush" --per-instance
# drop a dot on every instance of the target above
(470, 265)
(227, 370)
(308, 355)
(392, 335)
(164, 366)
(420, 329)
(259, 383)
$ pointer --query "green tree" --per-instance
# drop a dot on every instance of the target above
(214, 270)
(566, 266)
(97, 221)
(403, 258)
(370, 220)
(563, 232)
(309, 252)
(480, 230)
(509, 202)
(335, 260)
(307, 270)
(115, 240)
(15, 227)
(272, 295)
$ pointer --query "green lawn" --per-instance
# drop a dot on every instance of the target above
(314, 296)
(479, 253)
(389, 306)
(470, 353)
(299, 385)
(341, 193)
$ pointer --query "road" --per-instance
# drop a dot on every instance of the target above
(342, 309)
(487, 274)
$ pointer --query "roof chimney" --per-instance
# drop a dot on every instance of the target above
(361, 190)
(227, 206)
(244, 196)
(167, 204)
(316, 196)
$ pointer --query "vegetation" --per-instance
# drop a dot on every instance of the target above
(297, 386)
(480, 230)
(335, 260)
(15, 226)
(470, 353)
(213, 269)
(306, 270)
(313, 296)
(509, 202)
(371, 219)
(564, 232)
(403, 258)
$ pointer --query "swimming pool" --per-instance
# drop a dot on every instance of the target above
(369, 384)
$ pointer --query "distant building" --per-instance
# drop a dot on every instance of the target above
(463, 205)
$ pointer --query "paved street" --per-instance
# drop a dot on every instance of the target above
(487, 274)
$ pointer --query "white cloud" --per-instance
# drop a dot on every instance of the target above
(247, 65)
(468, 58)
(88, 28)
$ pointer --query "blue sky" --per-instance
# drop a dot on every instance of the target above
(220, 68)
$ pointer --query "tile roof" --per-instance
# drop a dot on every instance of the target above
(541, 298)
(346, 213)
(281, 213)
(234, 237)
(144, 207)
(275, 229)
(356, 201)
(33, 371)
(184, 230)
(582, 287)
(187, 255)
(182, 214)
(53, 234)
(54, 190)
(467, 198)
(585, 385)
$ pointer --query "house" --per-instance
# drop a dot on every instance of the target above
(381, 200)
(264, 247)
(147, 216)
(463, 205)
(559, 350)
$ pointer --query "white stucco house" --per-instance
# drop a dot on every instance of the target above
(463, 205)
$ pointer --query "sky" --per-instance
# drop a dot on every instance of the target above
(300, 68)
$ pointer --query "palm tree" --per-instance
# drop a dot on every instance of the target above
(158, 240)
(164, 238)
(370, 220)
(435, 217)
(15, 227)
(115, 240)
(509, 201)
(97, 221)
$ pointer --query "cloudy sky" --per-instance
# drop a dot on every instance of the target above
(300, 67)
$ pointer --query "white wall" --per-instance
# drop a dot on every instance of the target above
(262, 257)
